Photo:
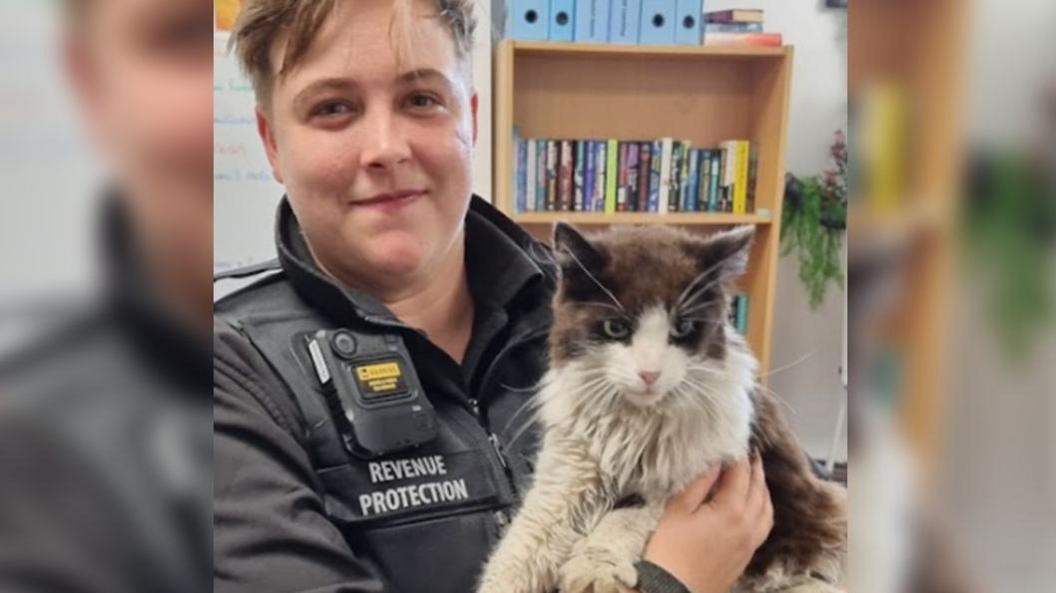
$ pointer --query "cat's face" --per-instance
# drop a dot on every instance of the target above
(642, 311)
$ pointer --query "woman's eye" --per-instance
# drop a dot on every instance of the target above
(333, 109)
(683, 328)
(615, 329)
(422, 101)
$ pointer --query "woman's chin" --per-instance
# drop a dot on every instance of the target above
(398, 258)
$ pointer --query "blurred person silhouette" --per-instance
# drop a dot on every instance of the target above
(105, 424)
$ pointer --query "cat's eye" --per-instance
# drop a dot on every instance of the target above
(683, 328)
(615, 329)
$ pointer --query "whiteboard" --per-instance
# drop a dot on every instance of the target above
(245, 194)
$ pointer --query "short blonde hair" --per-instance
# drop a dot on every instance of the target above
(261, 22)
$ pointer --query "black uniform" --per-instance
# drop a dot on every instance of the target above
(293, 509)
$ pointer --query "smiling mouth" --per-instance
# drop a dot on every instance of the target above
(390, 199)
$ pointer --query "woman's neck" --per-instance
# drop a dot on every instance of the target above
(440, 305)
(437, 301)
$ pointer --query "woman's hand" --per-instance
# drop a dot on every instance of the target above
(707, 544)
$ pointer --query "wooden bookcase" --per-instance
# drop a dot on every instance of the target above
(698, 93)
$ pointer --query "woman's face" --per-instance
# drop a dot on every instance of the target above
(375, 153)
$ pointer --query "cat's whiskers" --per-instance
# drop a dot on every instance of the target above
(792, 410)
(685, 293)
(694, 308)
(597, 304)
(702, 403)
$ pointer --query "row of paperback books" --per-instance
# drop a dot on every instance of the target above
(611, 176)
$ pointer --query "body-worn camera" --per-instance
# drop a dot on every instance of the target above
(377, 389)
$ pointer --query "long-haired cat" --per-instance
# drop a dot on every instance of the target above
(648, 387)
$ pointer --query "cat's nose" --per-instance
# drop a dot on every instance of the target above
(649, 377)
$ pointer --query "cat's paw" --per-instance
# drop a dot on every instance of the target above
(596, 570)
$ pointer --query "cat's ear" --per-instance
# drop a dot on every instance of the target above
(574, 251)
(727, 252)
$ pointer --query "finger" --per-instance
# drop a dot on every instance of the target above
(694, 494)
(757, 489)
(732, 489)
(766, 521)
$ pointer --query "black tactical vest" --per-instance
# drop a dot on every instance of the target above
(425, 517)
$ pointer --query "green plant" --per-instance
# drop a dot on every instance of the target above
(813, 222)
(1010, 236)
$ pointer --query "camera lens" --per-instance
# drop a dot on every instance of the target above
(344, 344)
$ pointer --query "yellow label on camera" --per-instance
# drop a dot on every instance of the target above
(380, 371)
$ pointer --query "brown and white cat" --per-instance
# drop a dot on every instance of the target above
(648, 387)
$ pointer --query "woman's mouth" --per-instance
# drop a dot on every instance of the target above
(390, 201)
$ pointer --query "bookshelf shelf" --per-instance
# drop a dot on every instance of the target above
(678, 218)
(647, 51)
(700, 94)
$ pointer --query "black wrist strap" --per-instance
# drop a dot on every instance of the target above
(654, 579)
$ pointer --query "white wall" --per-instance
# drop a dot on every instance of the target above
(810, 341)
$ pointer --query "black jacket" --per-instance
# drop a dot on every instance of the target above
(293, 510)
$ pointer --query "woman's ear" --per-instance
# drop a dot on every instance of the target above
(267, 137)
(473, 105)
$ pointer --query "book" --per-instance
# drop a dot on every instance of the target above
(753, 174)
(740, 179)
(683, 177)
(703, 172)
(632, 176)
(564, 176)
(551, 175)
(738, 315)
(713, 188)
(540, 175)
(691, 180)
(520, 160)
(530, 168)
(644, 174)
(611, 176)
(599, 175)
(621, 177)
(578, 175)
(742, 314)
(757, 39)
(724, 183)
(674, 196)
(666, 155)
(737, 15)
(654, 176)
(733, 28)
(588, 175)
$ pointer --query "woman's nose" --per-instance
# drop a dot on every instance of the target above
(384, 143)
